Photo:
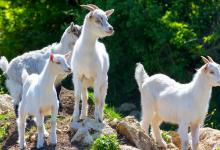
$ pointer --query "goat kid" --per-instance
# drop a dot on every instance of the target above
(91, 61)
(164, 99)
(39, 98)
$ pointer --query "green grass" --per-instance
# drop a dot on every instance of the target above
(110, 113)
(166, 136)
(106, 142)
(4, 126)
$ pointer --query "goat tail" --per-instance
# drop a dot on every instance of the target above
(140, 74)
(4, 64)
(24, 75)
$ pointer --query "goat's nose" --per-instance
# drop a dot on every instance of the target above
(110, 28)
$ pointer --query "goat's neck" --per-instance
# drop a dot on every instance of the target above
(201, 87)
(87, 36)
(47, 76)
(63, 47)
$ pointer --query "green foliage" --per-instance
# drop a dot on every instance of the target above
(2, 84)
(106, 142)
(4, 126)
(166, 137)
(166, 36)
(110, 113)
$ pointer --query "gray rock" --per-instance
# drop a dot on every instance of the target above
(127, 147)
(126, 107)
(88, 130)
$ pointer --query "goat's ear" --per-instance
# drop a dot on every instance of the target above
(210, 59)
(90, 8)
(205, 60)
(205, 69)
(109, 12)
(93, 6)
(67, 55)
(51, 57)
(90, 14)
(72, 27)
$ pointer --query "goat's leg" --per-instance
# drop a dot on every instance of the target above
(84, 110)
(53, 137)
(77, 93)
(40, 126)
(97, 95)
(15, 90)
(21, 121)
(183, 132)
(156, 131)
(195, 136)
(46, 134)
(147, 112)
(58, 87)
(103, 96)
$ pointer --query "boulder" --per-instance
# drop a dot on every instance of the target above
(131, 129)
(209, 139)
(127, 147)
(5, 103)
(126, 107)
(86, 131)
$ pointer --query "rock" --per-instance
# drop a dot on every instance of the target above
(209, 139)
(82, 137)
(131, 129)
(127, 147)
(114, 123)
(136, 114)
(126, 107)
(86, 131)
(5, 103)
(175, 138)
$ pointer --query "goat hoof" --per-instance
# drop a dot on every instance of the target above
(23, 146)
(46, 134)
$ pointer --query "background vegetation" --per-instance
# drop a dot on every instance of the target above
(167, 36)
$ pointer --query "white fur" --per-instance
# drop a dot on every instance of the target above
(34, 61)
(164, 99)
(39, 98)
(90, 64)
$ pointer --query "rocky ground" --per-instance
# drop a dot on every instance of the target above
(128, 130)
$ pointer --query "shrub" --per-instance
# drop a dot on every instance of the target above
(106, 142)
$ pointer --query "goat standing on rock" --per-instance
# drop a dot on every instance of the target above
(90, 62)
(164, 99)
(39, 98)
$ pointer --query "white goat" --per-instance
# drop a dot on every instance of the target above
(164, 99)
(91, 61)
(39, 98)
(34, 62)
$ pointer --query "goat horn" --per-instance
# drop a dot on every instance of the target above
(205, 60)
(90, 8)
(93, 6)
(210, 59)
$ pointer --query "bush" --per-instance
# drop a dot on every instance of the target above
(106, 142)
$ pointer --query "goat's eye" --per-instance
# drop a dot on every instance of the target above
(212, 72)
(98, 21)
(58, 62)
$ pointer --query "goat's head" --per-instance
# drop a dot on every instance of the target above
(71, 33)
(212, 70)
(98, 20)
(60, 62)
